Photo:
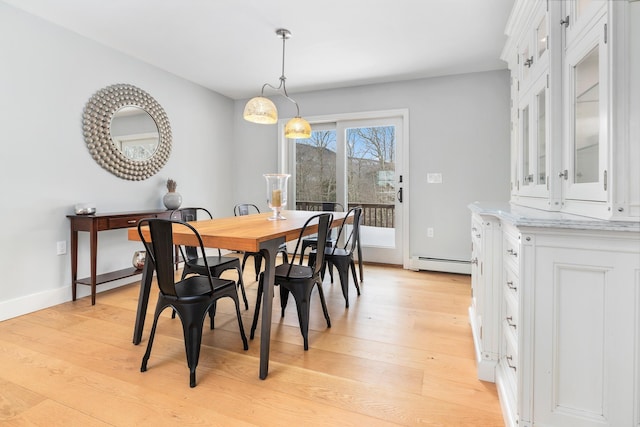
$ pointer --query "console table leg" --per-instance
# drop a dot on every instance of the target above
(74, 263)
(94, 260)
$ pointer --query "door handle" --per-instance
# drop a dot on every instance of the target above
(400, 195)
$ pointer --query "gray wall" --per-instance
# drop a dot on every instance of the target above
(458, 126)
(47, 74)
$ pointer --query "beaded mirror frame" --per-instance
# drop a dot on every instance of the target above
(96, 124)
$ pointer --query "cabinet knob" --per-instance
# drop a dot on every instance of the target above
(512, 252)
(509, 359)
(509, 320)
(565, 21)
(511, 286)
(474, 261)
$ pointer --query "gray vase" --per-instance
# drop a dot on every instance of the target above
(172, 200)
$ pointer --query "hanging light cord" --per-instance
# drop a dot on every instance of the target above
(284, 34)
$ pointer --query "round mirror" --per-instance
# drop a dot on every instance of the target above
(127, 132)
(134, 133)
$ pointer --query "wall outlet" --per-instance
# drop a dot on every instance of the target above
(430, 232)
(61, 247)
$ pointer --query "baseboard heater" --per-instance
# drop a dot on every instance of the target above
(440, 264)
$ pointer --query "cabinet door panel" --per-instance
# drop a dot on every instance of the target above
(584, 352)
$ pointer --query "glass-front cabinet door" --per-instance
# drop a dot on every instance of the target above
(586, 134)
(534, 137)
(579, 17)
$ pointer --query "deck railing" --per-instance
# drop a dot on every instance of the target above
(373, 214)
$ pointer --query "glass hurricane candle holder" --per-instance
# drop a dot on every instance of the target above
(276, 193)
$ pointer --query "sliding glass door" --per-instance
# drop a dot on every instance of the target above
(355, 163)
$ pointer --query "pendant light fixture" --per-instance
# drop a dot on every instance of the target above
(262, 110)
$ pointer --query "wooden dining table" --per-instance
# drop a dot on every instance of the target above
(251, 233)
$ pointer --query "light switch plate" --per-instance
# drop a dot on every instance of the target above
(434, 178)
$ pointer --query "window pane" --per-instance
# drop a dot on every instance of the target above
(541, 137)
(541, 36)
(587, 123)
(371, 178)
(525, 145)
(316, 168)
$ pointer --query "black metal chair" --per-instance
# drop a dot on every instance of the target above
(342, 255)
(299, 280)
(216, 264)
(248, 209)
(192, 297)
(312, 241)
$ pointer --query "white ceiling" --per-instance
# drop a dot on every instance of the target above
(230, 46)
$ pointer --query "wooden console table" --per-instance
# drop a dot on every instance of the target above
(102, 222)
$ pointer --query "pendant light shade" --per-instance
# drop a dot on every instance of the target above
(260, 110)
(297, 128)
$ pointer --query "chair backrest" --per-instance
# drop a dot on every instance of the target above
(323, 220)
(160, 250)
(352, 238)
(332, 207)
(190, 253)
(245, 209)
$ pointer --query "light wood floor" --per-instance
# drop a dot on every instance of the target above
(402, 354)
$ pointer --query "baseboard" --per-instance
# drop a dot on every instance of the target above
(440, 264)
(45, 299)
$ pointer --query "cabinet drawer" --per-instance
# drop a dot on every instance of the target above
(509, 359)
(127, 221)
(510, 319)
(511, 248)
(510, 282)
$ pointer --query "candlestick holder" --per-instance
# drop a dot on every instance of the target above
(276, 193)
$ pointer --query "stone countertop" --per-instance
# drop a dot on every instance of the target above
(528, 217)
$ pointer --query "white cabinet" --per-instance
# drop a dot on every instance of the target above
(585, 310)
(574, 118)
(568, 305)
(486, 235)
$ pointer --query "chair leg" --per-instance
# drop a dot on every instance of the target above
(355, 279)
(192, 322)
(256, 311)
(244, 259)
(240, 325)
(360, 263)
(257, 264)
(324, 304)
(302, 304)
(241, 286)
(343, 272)
(156, 315)
(212, 314)
(284, 298)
